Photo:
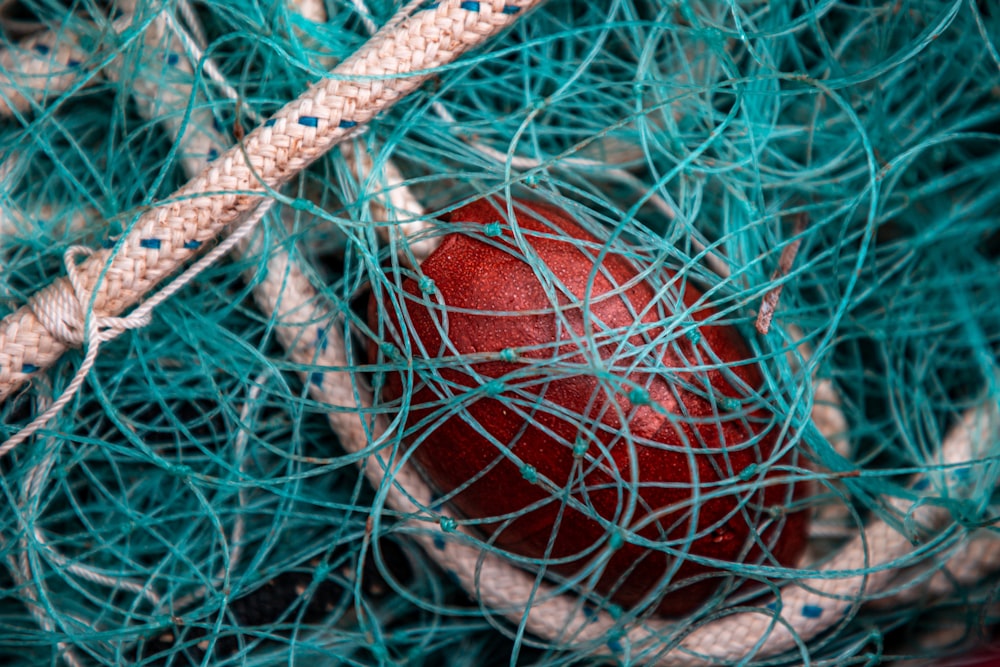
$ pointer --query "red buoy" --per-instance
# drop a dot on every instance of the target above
(561, 402)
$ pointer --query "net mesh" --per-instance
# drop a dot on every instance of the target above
(191, 504)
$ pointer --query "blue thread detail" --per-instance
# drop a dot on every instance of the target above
(580, 447)
(270, 122)
(922, 484)
(321, 339)
(29, 368)
(212, 154)
(962, 474)
(149, 244)
(773, 606)
(192, 245)
(510, 10)
(448, 524)
(439, 542)
(173, 59)
(812, 611)
(590, 612)
(347, 124)
(108, 243)
(508, 355)
(42, 48)
(436, 503)
(493, 229)
(693, 335)
(470, 6)
(615, 646)
(429, 5)
(308, 121)
(529, 473)
(316, 378)
(426, 285)
(73, 62)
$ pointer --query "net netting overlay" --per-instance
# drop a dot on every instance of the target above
(220, 476)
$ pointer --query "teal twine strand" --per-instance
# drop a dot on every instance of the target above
(192, 506)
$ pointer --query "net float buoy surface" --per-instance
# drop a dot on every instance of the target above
(561, 405)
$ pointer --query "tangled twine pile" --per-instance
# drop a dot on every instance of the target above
(196, 470)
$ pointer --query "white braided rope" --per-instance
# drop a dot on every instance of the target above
(281, 276)
(392, 64)
(37, 68)
(33, 538)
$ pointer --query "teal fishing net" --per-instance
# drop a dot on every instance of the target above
(191, 504)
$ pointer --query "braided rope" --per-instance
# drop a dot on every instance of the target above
(39, 67)
(387, 68)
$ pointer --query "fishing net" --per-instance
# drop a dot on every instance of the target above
(225, 479)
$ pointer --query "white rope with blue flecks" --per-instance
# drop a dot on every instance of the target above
(396, 61)
(862, 568)
(37, 68)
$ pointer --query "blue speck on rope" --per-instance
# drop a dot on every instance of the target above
(322, 338)
(812, 611)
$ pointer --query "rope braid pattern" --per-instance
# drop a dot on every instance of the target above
(391, 65)
(40, 66)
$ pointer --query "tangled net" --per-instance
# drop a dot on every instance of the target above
(191, 503)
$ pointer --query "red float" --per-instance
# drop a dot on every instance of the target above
(546, 397)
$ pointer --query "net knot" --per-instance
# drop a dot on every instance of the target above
(61, 307)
